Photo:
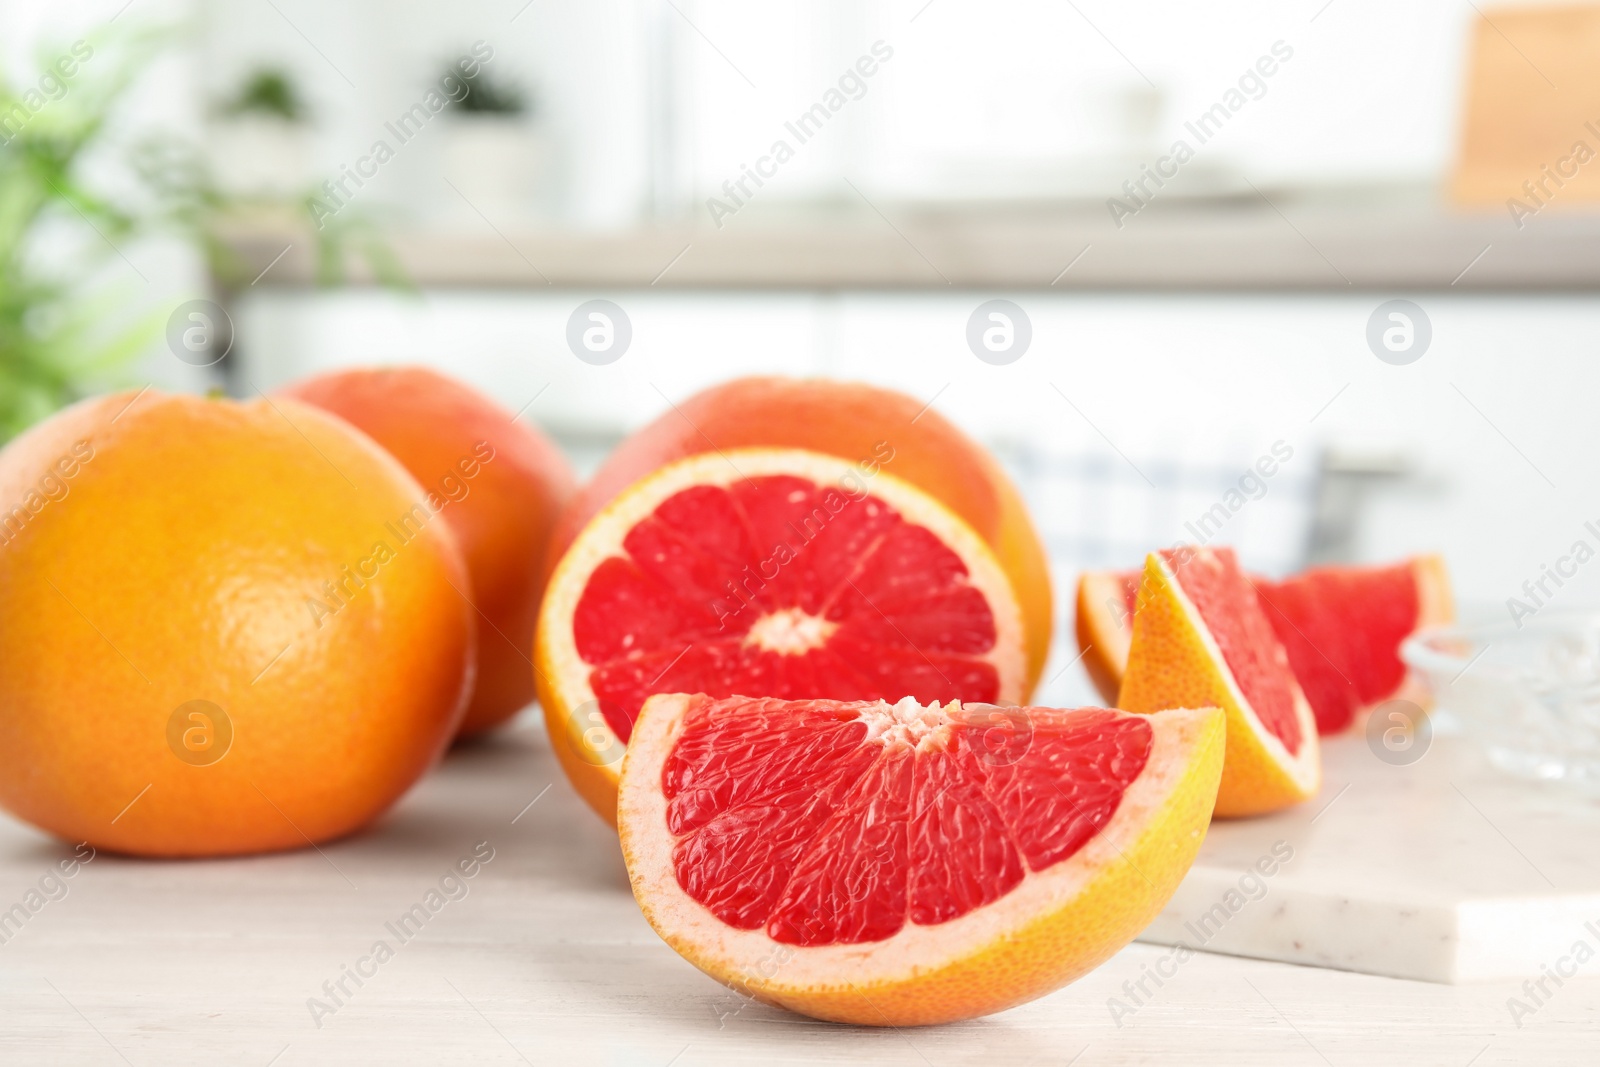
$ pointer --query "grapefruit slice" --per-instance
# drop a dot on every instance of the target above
(1342, 628)
(904, 864)
(766, 572)
(1200, 638)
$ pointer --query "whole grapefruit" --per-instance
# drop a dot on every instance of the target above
(878, 429)
(224, 627)
(499, 483)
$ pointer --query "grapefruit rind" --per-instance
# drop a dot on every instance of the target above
(587, 749)
(1175, 662)
(1055, 926)
(1435, 602)
(1435, 607)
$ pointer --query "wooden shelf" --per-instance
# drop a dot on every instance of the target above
(1232, 246)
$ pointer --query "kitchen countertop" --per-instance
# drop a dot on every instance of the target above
(542, 957)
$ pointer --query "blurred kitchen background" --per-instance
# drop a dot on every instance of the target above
(940, 154)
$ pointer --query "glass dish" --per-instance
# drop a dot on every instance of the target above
(1529, 694)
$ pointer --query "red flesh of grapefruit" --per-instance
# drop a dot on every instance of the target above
(802, 819)
(741, 589)
(1343, 626)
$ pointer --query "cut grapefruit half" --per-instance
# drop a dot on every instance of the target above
(878, 428)
(1341, 626)
(1200, 638)
(766, 573)
(905, 864)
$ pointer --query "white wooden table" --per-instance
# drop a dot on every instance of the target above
(545, 959)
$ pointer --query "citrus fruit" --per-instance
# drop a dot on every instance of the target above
(766, 572)
(1200, 638)
(1342, 627)
(229, 627)
(497, 482)
(873, 427)
(903, 864)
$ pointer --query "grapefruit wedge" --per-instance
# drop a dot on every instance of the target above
(1200, 638)
(766, 573)
(1341, 626)
(905, 864)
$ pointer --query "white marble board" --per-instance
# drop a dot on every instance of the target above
(1445, 870)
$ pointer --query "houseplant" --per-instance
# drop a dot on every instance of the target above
(495, 154)
(262, 138)
(76, 197)
(62, 325)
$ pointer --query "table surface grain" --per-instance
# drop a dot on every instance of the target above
(542, 957)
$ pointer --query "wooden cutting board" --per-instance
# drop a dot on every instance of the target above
(1531, 129)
